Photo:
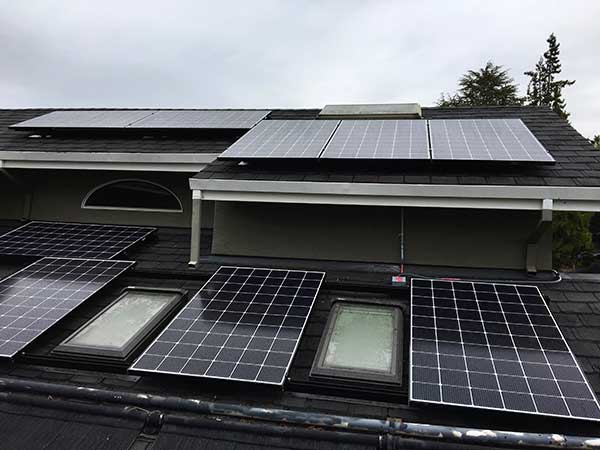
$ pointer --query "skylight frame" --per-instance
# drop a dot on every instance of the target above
(141, 336)
(319, 369)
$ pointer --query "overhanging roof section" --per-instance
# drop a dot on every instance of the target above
(169, 162)
(415, 195)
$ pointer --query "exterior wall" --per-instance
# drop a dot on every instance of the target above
(461, 238)
(58, 194)
(12, 199)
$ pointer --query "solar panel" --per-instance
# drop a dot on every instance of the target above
(74, 240)
(493, 346)
(244, 324)
(85, 119)
(379, 139)
(38, 296)
(242, 119)
(485, 140)
(283, 139)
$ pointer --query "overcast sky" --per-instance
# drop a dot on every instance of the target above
(283, 53)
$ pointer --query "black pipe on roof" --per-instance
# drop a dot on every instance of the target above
(390, 433)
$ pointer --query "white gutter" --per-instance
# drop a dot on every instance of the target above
(163, 162)
(421, 195)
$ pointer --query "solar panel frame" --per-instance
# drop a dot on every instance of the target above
(507, 140)
(379, 139)
(234, 345)
(84, 119)
(33, 299)
(78, 243)
(498, 367)
(273, 139)
(201, 119)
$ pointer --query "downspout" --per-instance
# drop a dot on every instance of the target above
(402, 239)
(27, 192)
(544, 224)
(391, 433)
(196, 227)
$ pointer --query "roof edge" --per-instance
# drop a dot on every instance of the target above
(563, 198)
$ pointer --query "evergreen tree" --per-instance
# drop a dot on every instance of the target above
(543, 87)
(490, 85)
(596, 141)
(571, 236)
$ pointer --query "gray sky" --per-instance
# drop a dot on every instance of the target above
(283, 53)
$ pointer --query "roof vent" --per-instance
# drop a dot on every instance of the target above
(372, 111)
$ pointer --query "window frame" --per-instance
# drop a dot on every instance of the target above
(133, 208)
(141, 335)
(318, 368)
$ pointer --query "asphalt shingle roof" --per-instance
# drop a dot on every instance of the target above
(577, 162)
(104, 141)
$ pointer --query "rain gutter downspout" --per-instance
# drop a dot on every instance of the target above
(544, 224)
(394, 432)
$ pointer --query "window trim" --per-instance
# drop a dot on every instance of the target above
(141, 335)
(125, 208)
(320, 370)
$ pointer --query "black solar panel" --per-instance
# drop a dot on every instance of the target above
(119, 119)
(379, 139)
(283, 139)
(38, 296)
(74, 240)
(85, 119)
(493, 346)
(485, 140)
(244, 324)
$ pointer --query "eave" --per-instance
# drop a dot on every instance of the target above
(159, 162)
(413, 195)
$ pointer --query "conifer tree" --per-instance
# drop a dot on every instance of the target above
(544, 88)
(490, 85)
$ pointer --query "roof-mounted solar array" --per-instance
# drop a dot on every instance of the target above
(485, 140)
(379, 139)
(283, 139)
(500, 140)
(493, 346)
(38, 296)
(146, 119)
(75, 240)
(244, 324)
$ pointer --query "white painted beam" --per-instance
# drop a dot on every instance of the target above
(418, 195)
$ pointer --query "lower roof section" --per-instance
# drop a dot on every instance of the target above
(559, 198)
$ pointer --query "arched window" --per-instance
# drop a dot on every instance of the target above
(132, 195)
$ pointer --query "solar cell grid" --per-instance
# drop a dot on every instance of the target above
(41, 294)
(485, 140)
(283, 139)
(71, 240)
(493, 346)
(379, 139)
(201, 119)
(85, 119)
(244, 324)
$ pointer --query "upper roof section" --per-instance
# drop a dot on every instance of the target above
(577, 162)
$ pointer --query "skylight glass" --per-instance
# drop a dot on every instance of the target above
(123, 324)
(361, 341)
